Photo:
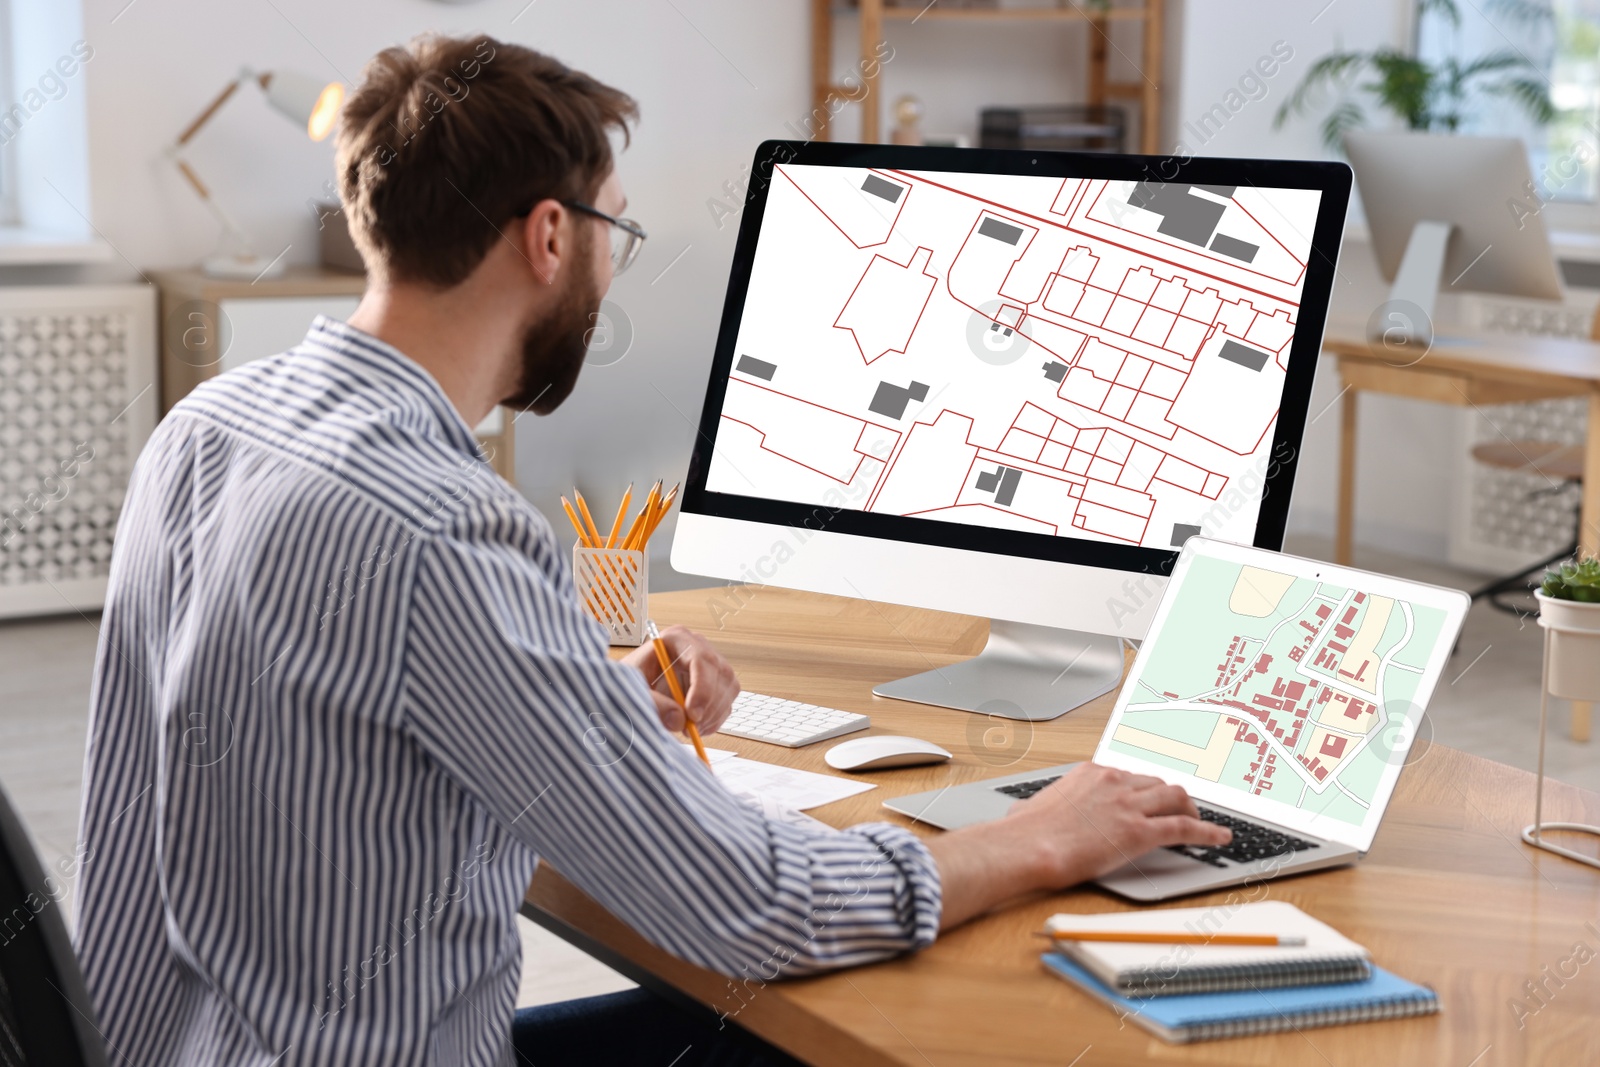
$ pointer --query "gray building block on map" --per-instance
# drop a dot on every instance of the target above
(890, 400)
(1181, 532)
(1234, 248)
(1224, 191)
(1244, 355)
(1055, 370)
(1008, 487)
(879, 187)
(1002, 482)
(1007, 490)
(1191, 219)
(757, 368)
(1000, 231)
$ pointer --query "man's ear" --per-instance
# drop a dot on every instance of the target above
(545, 243)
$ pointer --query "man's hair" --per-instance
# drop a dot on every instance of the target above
(448, 139)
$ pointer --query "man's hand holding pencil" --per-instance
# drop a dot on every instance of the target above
(709, 683)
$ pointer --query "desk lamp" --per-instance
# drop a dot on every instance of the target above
(301, 99)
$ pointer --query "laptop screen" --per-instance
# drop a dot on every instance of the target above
(1284, 688)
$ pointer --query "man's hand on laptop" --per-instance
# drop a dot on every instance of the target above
(1090, 822)
(709, 684)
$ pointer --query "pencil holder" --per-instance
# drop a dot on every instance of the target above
(613, 586)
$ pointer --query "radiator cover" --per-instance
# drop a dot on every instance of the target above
(78, 400)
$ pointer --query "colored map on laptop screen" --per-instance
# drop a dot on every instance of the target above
(1282, 687)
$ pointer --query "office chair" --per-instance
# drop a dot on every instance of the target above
(46, 1019)
(1561, 466)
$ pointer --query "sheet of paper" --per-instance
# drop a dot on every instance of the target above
(772, 787)
(785, 786)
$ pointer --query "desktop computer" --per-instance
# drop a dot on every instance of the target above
(1453, 212)
(1009, 384)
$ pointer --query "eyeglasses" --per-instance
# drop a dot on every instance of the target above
(627, 236)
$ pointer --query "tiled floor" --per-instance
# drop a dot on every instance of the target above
(1487, 703)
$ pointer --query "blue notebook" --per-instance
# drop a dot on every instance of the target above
(1203, 1016)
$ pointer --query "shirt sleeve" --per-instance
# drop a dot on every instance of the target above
(511, 691)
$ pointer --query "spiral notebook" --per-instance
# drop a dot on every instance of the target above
(1142, 970)
(1206, 1016)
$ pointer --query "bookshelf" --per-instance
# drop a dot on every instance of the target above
(877, 18)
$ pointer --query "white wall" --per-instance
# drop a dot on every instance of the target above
(714, 77)
(712, 82)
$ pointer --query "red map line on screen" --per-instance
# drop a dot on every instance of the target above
(796, 462)
(1093, 237)
(899, 208)
(1181, 247)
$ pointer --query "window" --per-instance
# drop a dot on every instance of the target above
(44, 138)
(1554, 45)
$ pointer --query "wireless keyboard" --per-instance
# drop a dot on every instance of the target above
(789, 723)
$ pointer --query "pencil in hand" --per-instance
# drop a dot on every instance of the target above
(665, 659)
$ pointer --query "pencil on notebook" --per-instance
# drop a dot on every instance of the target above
(1175, 937)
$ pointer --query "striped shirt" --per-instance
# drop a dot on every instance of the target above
(345, 700)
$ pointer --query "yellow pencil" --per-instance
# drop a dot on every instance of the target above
(661, 511)
(622, 511)
(642, 533)
(610, 594)
(588, 520)
(633, 530)
(572, 516)
(665, 660)
(1175, 937)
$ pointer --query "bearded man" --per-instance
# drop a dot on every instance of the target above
(345, 699)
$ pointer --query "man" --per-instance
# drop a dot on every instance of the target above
(345, 699)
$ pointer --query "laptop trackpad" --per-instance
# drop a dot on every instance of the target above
(1163, 873)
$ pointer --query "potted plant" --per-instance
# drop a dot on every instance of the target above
(1427, 95)
(1569, 610)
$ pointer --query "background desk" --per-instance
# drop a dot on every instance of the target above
(1448, 896)
(1470, 372)
(1467, 373)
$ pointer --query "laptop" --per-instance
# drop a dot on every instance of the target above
(1283, 693)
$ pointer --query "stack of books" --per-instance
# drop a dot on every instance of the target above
(1193, 974)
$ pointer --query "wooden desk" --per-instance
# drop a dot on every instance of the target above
(1469, 372)
(1448, 896)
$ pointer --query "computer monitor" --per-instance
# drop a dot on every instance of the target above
(1449, 211)
(1008, 384)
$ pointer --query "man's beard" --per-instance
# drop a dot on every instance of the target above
(554, 348)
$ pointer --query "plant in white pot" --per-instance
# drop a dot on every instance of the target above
(1569, 611)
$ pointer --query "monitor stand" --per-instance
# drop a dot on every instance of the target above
(1024, 672)
(1406, 320)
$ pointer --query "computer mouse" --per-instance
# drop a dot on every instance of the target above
(882, 751)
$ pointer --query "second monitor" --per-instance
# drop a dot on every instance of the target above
(1009, 384)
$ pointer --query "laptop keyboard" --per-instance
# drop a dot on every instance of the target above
(1024, 790)
(1251, 841)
